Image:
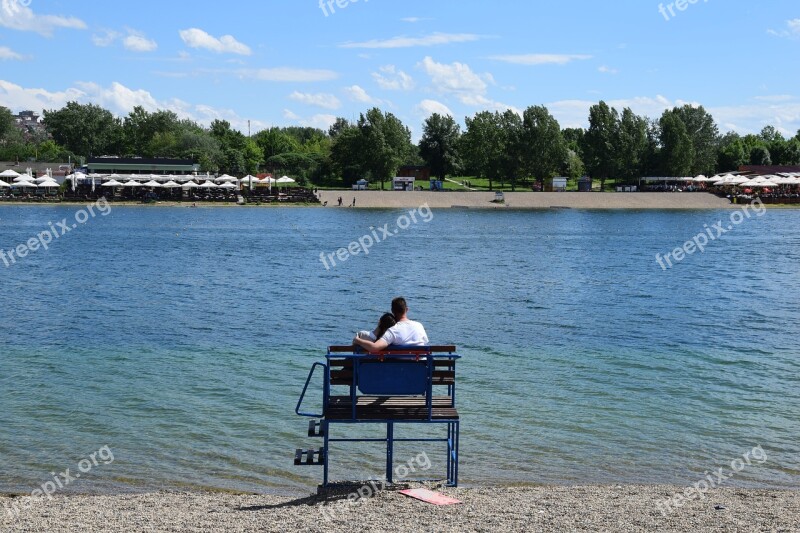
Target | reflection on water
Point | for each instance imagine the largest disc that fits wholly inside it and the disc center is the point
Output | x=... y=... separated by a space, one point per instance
x=181 y=339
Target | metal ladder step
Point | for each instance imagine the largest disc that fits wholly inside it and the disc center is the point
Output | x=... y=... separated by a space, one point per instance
x=309 y=457
x=315 y=429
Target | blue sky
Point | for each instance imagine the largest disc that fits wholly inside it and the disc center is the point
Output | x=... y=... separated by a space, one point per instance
x=291 y=62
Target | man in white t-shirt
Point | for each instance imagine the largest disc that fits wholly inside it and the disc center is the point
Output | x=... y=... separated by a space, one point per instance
x=405 y=333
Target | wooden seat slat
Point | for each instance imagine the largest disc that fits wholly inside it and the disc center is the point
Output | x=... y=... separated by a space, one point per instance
x=391 y=413
x=433 y=349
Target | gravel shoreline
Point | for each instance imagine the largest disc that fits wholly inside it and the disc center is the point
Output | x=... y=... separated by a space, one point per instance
x=619 y=508
x=527 y=200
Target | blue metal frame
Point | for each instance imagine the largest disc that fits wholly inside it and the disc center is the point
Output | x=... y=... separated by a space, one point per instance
x=395 y=354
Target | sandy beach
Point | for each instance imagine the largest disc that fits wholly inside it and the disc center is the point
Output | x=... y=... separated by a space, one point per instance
x=473 y=200
x=544 y=508
x=528 y=200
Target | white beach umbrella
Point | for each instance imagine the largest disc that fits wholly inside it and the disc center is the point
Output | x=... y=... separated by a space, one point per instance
x=228 y=185
x=171 y=185
x=49 y=184
x=21 y=184
x=699 y=179
x=765 y=183
x=225 y=179
x=209 y=185
x=4 y=184
x=9 y=174
x=152 y=183
x=286 y=179
x=112 y=183
x=132 y=183
x=190 y=185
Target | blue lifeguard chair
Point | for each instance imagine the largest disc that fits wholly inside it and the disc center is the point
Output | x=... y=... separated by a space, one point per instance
x=395 y=386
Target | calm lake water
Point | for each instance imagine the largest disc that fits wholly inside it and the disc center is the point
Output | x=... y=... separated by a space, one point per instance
x=181 y=338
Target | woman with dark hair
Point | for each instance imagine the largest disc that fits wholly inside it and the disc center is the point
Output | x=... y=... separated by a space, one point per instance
x=386 y=321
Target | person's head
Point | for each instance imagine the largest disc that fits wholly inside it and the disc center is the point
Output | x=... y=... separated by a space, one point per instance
x=386 y=321
x=399 y=308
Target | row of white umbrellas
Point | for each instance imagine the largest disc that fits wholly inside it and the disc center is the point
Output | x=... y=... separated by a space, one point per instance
x=221 y=180
x=170 y=185
x=742 y=181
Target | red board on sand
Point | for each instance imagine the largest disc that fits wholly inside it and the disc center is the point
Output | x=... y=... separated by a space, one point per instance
x=429 y=496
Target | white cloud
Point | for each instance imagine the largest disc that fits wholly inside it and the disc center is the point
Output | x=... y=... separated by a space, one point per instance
x=792 y=30
x=468 y=87
x=607 y=70
x=134 y=41
x=358 y=94
x=197 y=38
x=137 y=42
x=483 y=103
x=454 y=78
x=433 y=39
x=288 y=74
x=391 y=79
x=428 y=107
x=324 y=100
x=105 y=38
x=7 y=53
x=775 y=98
x=321 y=121
x=540 y=59
x=16 y=16
x=118 y=99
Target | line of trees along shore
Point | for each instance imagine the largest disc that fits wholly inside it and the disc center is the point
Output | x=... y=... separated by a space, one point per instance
x=502 y=147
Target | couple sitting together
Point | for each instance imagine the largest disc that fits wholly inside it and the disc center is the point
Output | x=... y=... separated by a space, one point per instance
x=393 y=329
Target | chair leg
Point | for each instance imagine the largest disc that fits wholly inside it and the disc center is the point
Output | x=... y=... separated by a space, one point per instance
x=325 y=450
x=389 y=450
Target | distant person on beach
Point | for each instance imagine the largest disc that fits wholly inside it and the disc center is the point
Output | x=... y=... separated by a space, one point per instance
x=405 y=333
x=386 y=321
x=340 y=201
x=354 y=203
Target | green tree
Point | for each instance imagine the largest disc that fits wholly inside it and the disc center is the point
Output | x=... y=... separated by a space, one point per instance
x=542 y=146
x=760 y=156
x=704 y=136
x=347 y=154
x=386 y=143
x=732 y=153
x=632 y=146
x=439 y=146
x=85 y=129
x=677 y=151
x=144 y=132
x=6 y=123
x=483 y=144
x=510 y=163
x=600 y=142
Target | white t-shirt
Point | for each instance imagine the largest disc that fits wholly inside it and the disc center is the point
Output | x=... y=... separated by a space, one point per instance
x=406 y=332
